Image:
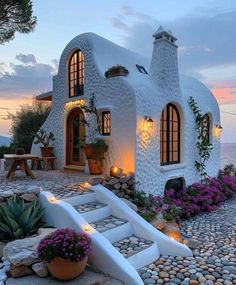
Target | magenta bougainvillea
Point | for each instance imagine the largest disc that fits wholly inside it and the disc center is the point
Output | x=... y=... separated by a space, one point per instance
x=65 y=243
x=201 y=197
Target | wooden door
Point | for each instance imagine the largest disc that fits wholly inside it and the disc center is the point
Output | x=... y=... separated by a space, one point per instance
x=75 y=133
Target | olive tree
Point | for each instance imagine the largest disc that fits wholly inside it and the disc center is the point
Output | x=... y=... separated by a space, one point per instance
x=26 y=123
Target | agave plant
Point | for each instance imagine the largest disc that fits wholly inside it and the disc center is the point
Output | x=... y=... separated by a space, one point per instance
x=18 y=219
x=44 y=138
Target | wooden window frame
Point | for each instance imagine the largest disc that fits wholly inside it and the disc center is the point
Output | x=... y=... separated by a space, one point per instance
x=104 y=127
x=166 y=131
x=76 y=74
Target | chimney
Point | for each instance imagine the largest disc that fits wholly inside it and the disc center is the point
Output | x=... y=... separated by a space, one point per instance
x=164 y=64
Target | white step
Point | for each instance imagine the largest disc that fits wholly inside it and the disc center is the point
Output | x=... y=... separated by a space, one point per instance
x=81 y=199
x=118 y=232
x=144 y=257
x=91 y=211
x=138 y=251
x=107 y=223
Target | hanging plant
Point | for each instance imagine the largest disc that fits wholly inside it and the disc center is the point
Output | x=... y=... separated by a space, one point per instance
x=203 y=143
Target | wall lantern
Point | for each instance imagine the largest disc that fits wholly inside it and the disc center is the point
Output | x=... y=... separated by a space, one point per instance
x=149 y=121
x=218 y=130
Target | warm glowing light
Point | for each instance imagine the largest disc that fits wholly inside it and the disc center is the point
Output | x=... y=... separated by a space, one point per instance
x=217 y=131
x=148 y=121
x=74 y=103
x=174 y=235
x=87 y=228
x=87 y=184
x=52 y=199
x=116 y=171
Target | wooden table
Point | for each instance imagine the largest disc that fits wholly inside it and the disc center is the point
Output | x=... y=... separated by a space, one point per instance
x=19 y=160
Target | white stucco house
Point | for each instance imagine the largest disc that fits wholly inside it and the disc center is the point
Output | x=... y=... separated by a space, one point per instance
x=164 y=151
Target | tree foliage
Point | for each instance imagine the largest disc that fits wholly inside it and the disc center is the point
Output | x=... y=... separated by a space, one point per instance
x=26 y=123
x=15 y=16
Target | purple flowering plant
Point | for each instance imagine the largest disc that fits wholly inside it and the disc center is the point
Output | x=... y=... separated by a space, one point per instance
x=65 y=243
x=197 y=198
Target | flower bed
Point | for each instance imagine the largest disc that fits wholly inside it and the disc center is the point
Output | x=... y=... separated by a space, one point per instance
x=200 y=197
x=175 y=205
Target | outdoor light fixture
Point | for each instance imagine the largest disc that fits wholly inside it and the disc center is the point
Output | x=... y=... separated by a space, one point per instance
x=74 y=103
x=218 y=130
x=174 y=235
x=148 y=121
x=52 y=199
x=116 y=171
x=87 y=228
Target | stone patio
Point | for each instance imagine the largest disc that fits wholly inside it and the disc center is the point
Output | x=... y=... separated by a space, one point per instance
x=213 y=240
x=60 y=183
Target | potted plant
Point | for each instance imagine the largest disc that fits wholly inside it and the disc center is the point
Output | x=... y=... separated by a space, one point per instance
x=117 y=70
x=44 y=138
x=65 y=252
x=94 y=148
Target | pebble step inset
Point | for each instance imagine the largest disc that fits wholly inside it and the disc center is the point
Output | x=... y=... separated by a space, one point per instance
x=132 y=245
x=84 y=208
x=107 y=223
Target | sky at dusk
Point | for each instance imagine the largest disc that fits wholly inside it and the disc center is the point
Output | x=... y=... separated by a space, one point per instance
x=206 y=32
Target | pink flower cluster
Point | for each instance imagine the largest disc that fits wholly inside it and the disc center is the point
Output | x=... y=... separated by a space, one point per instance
x=201 y=197
x=65 y=243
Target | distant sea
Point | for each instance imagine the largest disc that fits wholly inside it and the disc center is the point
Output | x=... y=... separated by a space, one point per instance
x=227 y=154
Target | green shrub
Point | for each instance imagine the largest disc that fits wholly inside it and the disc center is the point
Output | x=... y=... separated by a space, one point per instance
x=5 y=150
x=19 y=219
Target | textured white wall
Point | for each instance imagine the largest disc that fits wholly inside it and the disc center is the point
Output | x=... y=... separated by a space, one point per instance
x=131 y=145
x=113 y=94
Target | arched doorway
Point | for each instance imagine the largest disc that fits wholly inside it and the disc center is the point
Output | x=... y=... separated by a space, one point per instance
x=75 y=133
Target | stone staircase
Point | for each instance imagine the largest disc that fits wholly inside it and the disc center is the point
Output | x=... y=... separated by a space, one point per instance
x=137 y=250
x=123 y=242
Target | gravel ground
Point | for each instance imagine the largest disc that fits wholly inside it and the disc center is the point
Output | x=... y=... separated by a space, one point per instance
x=214 y=256
x=214 y=253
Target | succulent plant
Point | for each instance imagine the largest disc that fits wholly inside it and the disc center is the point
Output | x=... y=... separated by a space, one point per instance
x=44 y=138
x=19 y=219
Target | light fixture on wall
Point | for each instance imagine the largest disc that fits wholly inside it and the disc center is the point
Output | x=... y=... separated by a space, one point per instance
x=218 y=130
x=149 y=121
x=74 y=103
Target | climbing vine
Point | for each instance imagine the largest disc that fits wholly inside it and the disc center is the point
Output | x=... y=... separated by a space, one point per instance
x=203 y=143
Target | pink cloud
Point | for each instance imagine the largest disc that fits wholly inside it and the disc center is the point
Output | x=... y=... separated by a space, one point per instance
x=225 y=92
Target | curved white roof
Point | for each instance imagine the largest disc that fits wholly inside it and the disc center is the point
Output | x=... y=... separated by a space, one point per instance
x=107 y=54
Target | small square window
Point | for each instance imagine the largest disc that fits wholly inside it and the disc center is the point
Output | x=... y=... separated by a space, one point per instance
x=106 y=123
x=141 y=69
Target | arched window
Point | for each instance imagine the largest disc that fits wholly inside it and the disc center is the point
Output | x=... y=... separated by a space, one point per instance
x=76 y=74
x=206 y=127
x=170 y=135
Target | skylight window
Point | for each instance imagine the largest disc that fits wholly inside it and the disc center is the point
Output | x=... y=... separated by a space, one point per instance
x=141 y=69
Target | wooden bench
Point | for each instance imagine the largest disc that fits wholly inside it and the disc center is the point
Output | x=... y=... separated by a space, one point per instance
x=47 y=161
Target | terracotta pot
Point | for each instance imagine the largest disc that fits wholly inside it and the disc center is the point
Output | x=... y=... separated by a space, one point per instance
x=46 y=151
x=95 y=151
x=65 y=269
x=20 y=151
x=95 y=166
